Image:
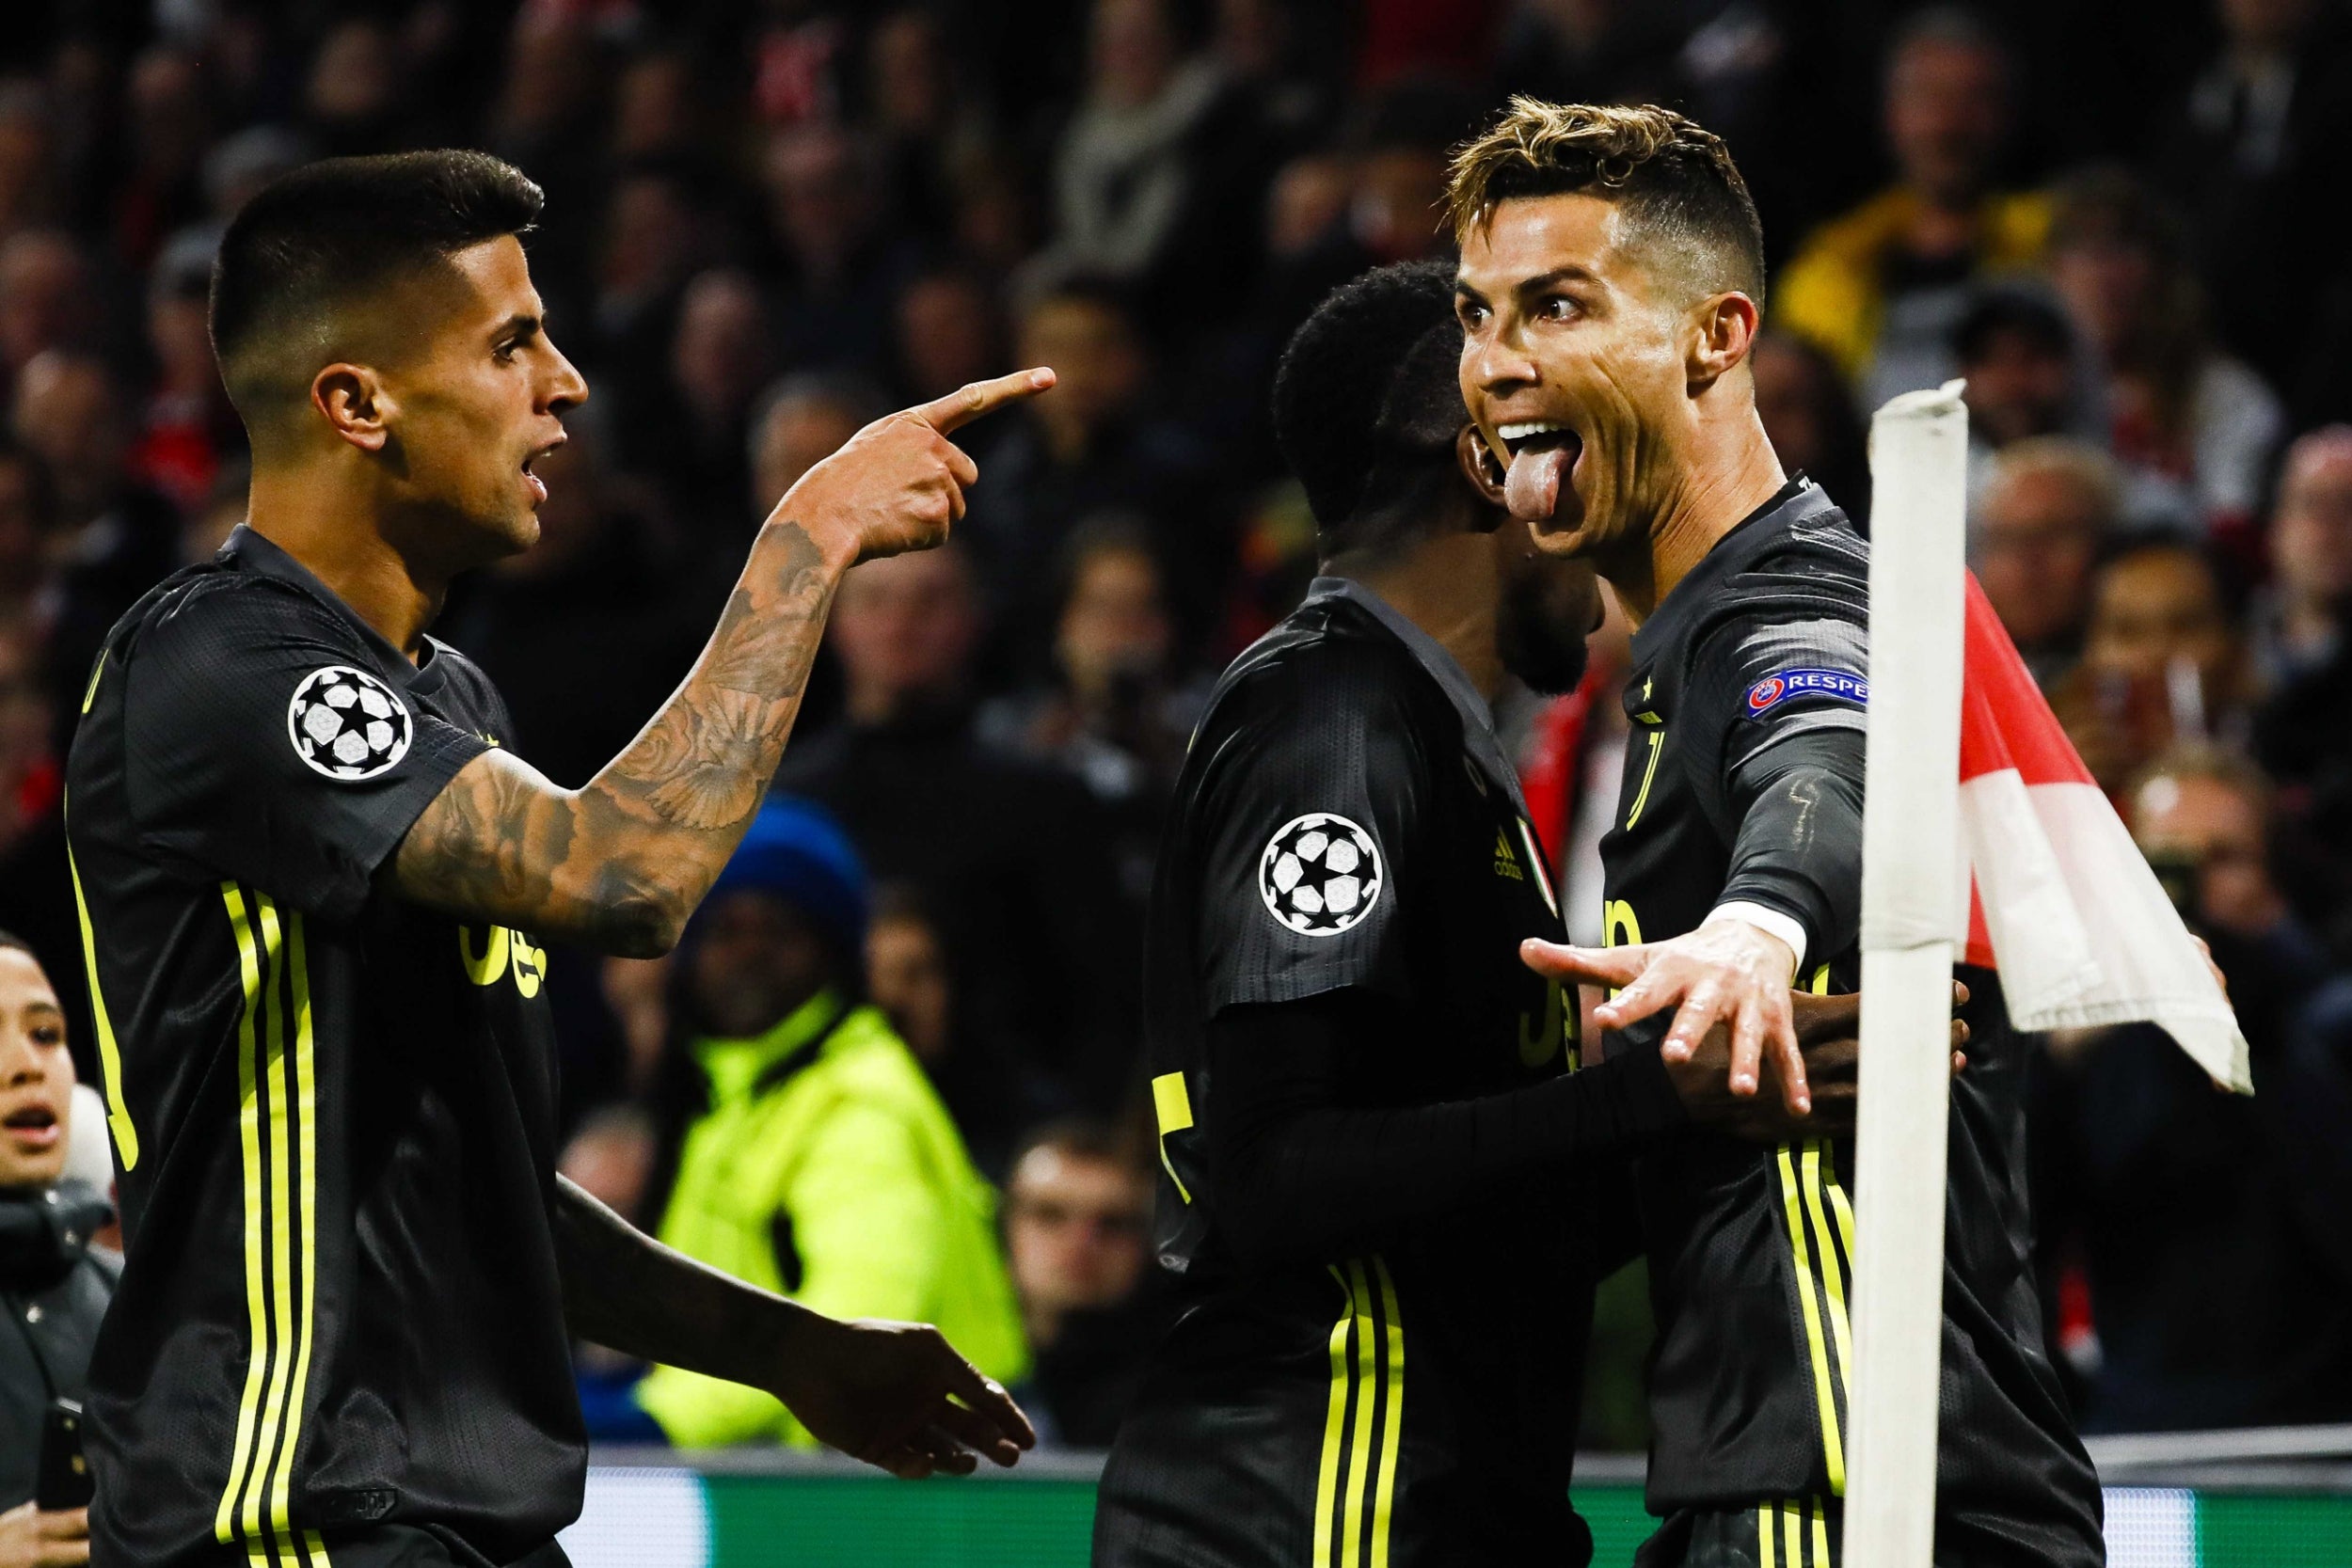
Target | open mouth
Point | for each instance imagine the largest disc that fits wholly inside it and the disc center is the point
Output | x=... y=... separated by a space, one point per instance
x=34 y=1126
x=538 y=485
x=1542 y=453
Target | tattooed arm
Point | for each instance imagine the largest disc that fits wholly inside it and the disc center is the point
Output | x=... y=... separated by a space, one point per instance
x=619 y=864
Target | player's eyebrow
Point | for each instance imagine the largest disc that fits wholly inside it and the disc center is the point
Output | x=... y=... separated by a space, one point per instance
x=1464 y=294
x=521 y=327
x=1569 y=274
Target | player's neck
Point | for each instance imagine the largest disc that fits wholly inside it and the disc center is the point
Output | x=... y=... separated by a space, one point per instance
x=1446 y=586
x=341 y=540
x=1732 y=472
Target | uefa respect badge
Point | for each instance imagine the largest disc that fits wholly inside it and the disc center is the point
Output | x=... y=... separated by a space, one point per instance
x=1839 y=686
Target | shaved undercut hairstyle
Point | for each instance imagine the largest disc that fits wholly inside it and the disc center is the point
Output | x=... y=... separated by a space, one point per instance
x=1673 y=179
x=319 y=244
x=1367 y=402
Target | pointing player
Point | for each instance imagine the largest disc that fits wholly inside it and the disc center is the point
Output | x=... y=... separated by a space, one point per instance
x=1611 y=278
x=314 y=881
x=1387 y=1182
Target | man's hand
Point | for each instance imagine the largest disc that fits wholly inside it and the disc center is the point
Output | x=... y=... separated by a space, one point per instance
x=897 y=1396
x=30 y=1538
x=1727 y=972
x=1828 y=1030
x=897 y=484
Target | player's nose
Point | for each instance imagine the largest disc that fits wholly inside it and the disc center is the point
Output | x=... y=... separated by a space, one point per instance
x=568 y=388
x=1500 y=364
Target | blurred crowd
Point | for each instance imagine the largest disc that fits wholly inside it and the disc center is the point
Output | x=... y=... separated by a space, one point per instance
x=893 y=1067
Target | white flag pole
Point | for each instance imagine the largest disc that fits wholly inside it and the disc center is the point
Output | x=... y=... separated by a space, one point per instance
x=1909 y=889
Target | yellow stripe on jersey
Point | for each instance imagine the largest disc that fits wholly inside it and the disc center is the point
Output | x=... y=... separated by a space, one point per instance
x=1334 y=1424
x=280 y=1239
x=250 y=966
x=1641 y=796
x=1820 y=1536
x=1363 y=1422
x=277 y=1137
x=1833 y=1448
x=1792 y=1533
x=109 y=1058
x=1833 y=1273
x=306 y=1172
x=89 y=693
x=1764 y=1550
x=1172 y=1104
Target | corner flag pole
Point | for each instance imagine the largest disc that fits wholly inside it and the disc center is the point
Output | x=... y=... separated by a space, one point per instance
x=1911 y=885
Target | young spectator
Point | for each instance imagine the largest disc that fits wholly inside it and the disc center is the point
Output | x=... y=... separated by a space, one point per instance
x=1882 y=286
x=2164 y=662
x=1078 y=1232
x=2179 y=411
x=1014 y=855
x=53 y=1289
x=2048 y=506
x=2215 y=1231
x=817 y=1160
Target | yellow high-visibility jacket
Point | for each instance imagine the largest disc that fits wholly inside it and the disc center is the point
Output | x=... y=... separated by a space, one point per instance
x=828 y=1169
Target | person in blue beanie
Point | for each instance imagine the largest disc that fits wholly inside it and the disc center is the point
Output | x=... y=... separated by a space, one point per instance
x=816 y=1159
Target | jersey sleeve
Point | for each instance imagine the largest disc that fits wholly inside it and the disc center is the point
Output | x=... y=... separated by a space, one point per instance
x=1759 y=676
x=261 y=745
x=1309 y=807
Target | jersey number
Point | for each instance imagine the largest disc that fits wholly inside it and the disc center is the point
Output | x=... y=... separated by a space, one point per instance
x=505 y=949
x=1552 y=1031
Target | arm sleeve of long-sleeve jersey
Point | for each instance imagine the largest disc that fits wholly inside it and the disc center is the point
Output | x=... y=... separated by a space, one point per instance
x=1302 y=1174
x=1799 y=846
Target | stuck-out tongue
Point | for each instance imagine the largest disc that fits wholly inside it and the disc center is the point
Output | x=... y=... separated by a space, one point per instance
x=1532 y=486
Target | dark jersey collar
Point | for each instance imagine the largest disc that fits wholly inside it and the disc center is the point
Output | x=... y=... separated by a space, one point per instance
x=1798 y=498
x=1478 y=718
x=252 y=552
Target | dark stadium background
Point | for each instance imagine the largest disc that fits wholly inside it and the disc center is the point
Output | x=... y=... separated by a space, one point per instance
x=768 y=221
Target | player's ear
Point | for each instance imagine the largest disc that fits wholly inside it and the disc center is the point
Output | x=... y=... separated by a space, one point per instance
x=355 y=404
x=1484 y=470
x=1724 y=329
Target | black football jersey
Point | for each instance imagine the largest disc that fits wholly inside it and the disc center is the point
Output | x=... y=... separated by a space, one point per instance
x=1347 y=820
x=332 y=1111
x=1752 y=1248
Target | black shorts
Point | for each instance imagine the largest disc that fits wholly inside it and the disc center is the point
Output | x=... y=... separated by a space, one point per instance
x=385 y=1546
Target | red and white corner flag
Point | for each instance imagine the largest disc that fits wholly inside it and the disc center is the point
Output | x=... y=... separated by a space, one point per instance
x=2059 y=899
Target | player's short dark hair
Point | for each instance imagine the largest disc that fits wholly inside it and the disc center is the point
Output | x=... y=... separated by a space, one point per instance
x=333 y=233
x=11 y=943
x=1670 y=175
x=1368 y=402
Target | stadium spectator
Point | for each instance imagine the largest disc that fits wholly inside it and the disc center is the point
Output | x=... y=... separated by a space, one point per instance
x=2017 y=352
x=1013 y=855
x=187 y=427
x=843 y=260
x=947 y=334
x=1112 y=711
x=48 y=299
x=2215 y=1231
x=2299 y=621
x=1811 y=420
x=799 y=423
x=989 y=1084
x=814 y=1158
x=53 y=1288
x=2048 y=506
x=2164 y=661
x=1078 y=1232
x=694 y=438
x=35 y=888
x=2181 y=413
x=1882 y=286
x=2253 y=157
x=1096 y=445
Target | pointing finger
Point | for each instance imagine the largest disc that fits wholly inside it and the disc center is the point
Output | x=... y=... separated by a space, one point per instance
x=966 y=404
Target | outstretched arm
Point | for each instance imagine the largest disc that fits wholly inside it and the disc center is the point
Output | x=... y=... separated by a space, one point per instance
x=895 y=1394
x=619 y=864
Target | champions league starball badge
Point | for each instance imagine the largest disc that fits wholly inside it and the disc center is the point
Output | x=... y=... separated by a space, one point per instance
x=347 y=724
x=1320 y=874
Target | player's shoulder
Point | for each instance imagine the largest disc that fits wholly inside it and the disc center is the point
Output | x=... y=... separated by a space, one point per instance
x=212 y=607
x=1331 y=662
x=1807 y=540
